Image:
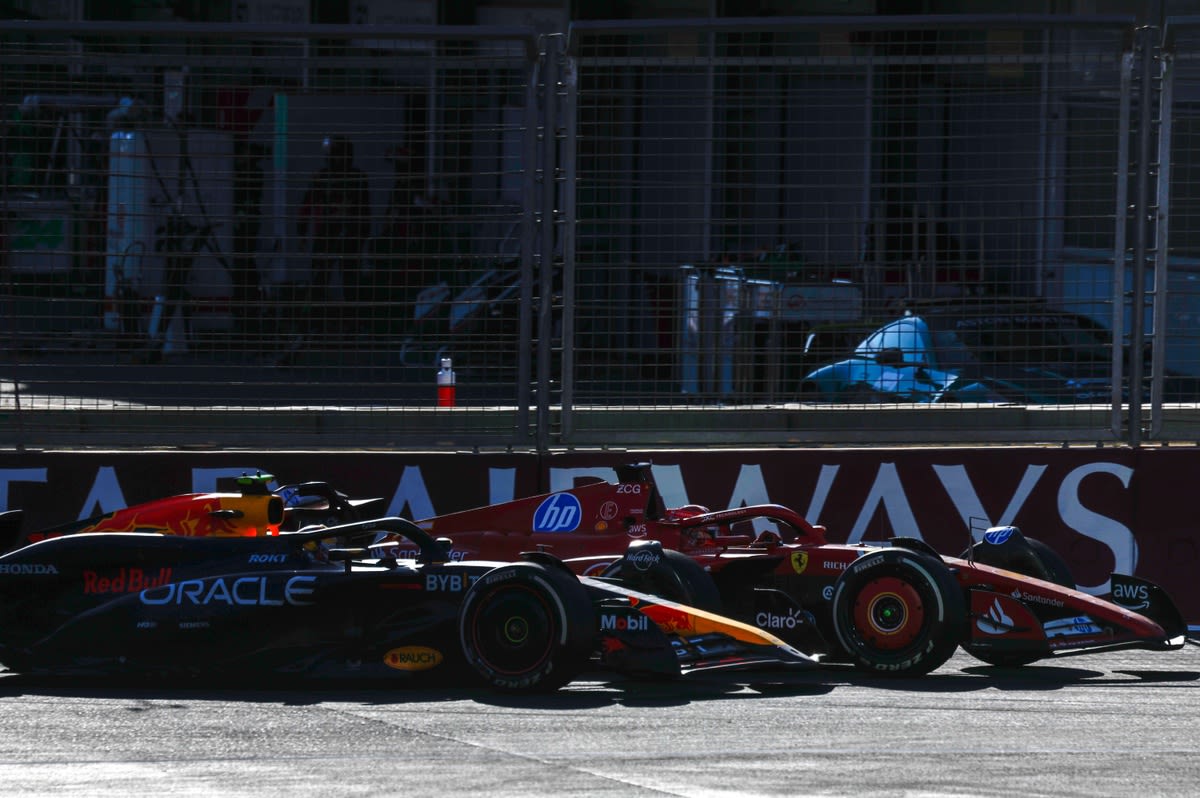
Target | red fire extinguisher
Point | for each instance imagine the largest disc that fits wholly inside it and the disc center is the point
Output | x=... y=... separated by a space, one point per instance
x=445 y=384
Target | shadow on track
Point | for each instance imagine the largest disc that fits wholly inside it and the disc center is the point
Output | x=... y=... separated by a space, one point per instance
x=1050 y=677
x=287 y=692
x=592 y=690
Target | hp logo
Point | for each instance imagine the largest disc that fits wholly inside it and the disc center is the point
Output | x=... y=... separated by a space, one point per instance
x=558 y=513
x=998 y=535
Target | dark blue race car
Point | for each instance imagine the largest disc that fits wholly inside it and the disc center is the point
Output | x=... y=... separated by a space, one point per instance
x=313 y=603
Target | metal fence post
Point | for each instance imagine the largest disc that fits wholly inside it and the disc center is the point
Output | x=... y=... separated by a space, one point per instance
x=529 y=154
x=545 y=321
x=1137 y=333
x=568 y=220
x=1121 y=212
x=1165 y=108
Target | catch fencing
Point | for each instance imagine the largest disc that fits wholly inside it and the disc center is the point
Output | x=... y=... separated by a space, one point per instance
x=633 y=233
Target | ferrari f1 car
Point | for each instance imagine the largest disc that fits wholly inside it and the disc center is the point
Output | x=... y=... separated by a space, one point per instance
x=136 y=604
x=254 y=509
x=896 y=608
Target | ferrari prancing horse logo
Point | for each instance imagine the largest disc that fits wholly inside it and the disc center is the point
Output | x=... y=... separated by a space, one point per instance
x=799 y=561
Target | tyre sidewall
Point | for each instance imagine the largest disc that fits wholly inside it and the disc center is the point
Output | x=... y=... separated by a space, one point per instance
x=570 y=612
x=939 y=631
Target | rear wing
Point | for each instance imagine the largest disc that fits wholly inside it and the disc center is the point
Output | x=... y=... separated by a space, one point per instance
x=643 y=474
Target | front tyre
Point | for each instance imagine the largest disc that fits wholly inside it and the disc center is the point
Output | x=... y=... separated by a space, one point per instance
x=673 y=576
x=898 y=612
x=1027 y=556
x=526 y=627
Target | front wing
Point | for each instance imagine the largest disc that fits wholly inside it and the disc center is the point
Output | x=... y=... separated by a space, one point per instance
x=699 y=640
x=1035 y=617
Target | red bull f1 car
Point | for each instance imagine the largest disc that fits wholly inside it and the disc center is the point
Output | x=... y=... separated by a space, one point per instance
x=253 y=510
x=147 y=603
x=899 y=608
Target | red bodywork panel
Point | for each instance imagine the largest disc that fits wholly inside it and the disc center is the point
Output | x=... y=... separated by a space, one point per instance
x=601 y=518
x=189 y=515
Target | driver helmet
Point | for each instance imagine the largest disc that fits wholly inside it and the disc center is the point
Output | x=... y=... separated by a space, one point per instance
x=701 y=535
x=687 y=511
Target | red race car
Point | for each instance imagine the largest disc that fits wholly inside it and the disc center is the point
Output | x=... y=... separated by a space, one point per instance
x=897 y=608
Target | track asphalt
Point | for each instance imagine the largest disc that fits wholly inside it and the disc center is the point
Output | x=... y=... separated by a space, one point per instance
x=1116 y=724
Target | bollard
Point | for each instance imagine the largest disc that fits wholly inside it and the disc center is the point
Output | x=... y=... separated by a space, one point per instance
x=445 y=384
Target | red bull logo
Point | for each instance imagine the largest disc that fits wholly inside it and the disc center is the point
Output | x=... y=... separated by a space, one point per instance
x=124 y=580
x=671 y=619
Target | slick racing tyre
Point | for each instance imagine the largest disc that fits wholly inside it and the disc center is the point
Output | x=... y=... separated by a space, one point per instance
x=898 y=612
x=674 y=576
x=1024 y=555
x=527 y=627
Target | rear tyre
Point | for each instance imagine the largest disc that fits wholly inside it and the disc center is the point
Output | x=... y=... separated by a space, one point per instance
x=898 y=613
x=525 y=627
x=675 y=577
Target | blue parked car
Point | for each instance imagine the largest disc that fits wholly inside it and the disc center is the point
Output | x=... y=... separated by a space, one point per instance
x=1003 y=353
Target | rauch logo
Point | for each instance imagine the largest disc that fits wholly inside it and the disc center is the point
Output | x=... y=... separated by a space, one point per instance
x=412 y=658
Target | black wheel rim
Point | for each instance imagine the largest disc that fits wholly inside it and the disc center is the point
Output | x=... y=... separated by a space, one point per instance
x=513 y=629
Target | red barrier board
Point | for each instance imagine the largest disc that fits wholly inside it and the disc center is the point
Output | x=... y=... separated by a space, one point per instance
x=1103 y=509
